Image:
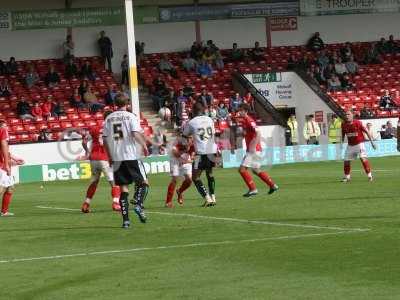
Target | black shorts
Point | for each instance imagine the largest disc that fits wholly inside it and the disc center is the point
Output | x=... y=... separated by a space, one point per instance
x=204 y=162
x=129 y=171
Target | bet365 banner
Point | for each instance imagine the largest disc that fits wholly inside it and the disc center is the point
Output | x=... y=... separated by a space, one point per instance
x=341 y=7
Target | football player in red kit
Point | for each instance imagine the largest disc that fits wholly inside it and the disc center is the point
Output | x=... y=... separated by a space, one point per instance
x=99 y=164
x=253 y=157
x=355 y=130
x=182 y=153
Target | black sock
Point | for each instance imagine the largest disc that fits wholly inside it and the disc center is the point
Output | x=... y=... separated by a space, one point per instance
x=123 y=202
x=211 y=184
x=200 y=188
x=141 y=192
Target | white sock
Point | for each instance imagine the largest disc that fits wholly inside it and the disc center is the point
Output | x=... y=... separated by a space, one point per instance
x=116 y=200
x=88 y=200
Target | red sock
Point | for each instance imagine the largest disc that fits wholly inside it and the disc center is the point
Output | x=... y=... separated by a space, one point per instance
x=366 y=166
x=265 y=177
x=248 y=179
x=115 y=192
x=91 y=190
x=170 y=193
x=6 y=202
x=185 y=185
x=347 y=168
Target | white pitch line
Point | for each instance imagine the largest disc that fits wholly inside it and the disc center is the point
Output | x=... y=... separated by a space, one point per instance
x=192 y=245
x=259 y=222
x=231 y=220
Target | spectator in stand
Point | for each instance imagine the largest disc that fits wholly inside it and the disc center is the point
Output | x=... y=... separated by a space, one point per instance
x=76 y=100
x=87 y=71
x=71 y=70
x=205 y=98
x=248 y=98
x=68 y=48
x=329 y=72
x=37 y=110
x=235 y=102
x=374 y=136
x=319 y=76
x=293 y=127
x=165 y=66
x=125 y=91
x=386 y=101
x=311 y=131
x=44 y=136
x=390 y=131
x=372 y=55
x=212 y=112
x=58 y=109
x=257 y=53
x=3 y=68
x=204 y=70
x=181 y=97
x=209 y=55
x=222 y=112
x=5 y=90
x=12 y=66
x=47 y=107
x=92 y=101
x=292 y=62
x=236 y=54
x=333 y=58
x=219 y=60
x=392 y=46
x=334 y=84
x=381 y=46
x=106 y=50
x=346 y=52
x=322 y=59
x=315 y=43
x=24 y=109
x=211 y=46
x=346 y=82
x=340 y=67
x=304 y=63
x=125 y=70
x=159 y=97
x=366 y=113
x=352 y=66
x=111 y=94
x=188 y=90
x=83 y=88
x=52 y=78
x=32 y=77
x=140 y=52
x=196 y=51
x=189 y=64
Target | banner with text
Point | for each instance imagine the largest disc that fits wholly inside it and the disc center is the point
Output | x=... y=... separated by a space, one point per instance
x=213 y=12
x=5 y=20
x=80 y=17
x=340 y=7
x=276 y=87
x=283 y=23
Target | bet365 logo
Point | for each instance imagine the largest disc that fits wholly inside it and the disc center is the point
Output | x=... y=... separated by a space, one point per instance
x=66 y=171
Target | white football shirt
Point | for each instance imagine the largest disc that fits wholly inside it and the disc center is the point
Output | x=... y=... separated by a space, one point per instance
x=117 y=131
x=202 y=130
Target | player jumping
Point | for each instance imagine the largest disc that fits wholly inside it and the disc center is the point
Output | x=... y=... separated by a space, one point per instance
x=253 y=157
x=122 y=133
x=355 y=130
x=180 y=166
x=201 y=128
x=99 y=165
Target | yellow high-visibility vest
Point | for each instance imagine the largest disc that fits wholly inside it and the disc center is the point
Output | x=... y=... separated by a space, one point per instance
x=335 y=131
x=294 y=136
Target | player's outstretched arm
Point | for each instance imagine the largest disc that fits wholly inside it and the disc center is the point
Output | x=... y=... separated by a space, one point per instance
x=369 y=137
x=6 y=155
x=255 y=141
x=141 y=140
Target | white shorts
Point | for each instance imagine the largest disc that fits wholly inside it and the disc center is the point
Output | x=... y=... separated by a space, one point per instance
x=179 y=170
x=252 y=160
x=5 y=180
x=356 y=151
x=101 y=166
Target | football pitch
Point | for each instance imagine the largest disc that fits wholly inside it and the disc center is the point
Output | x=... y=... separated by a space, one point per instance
x=317 y=238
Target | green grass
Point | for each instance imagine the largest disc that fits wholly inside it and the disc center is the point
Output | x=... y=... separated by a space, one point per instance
x=210 y=258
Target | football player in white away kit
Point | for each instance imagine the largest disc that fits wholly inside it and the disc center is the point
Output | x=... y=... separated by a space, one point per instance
x=201 y=128
x=121 y=133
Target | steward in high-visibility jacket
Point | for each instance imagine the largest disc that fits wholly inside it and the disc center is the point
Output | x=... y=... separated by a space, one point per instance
x=292 y=124
x=335 y=130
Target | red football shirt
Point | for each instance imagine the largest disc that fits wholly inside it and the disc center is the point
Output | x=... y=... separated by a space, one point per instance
x=3 y=137
x=98 y=152
x=354 y=132
x=250 y=132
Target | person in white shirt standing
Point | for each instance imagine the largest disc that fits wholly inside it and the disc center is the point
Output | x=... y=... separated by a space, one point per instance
x=311 y=131
x=122 y=133
x=202 y=129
